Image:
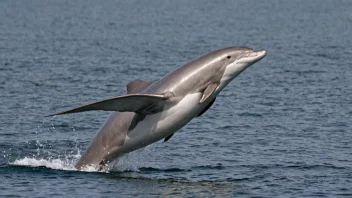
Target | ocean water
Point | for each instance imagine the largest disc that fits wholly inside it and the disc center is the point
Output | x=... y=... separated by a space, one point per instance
x=280 y=129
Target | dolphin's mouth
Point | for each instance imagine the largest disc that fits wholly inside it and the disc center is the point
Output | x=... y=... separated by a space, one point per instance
x=252 y=56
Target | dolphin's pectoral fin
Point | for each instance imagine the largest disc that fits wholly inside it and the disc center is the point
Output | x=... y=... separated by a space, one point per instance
x=138 y=85
x=208 y=91
x=168 y=137
x=140 y=103
x=206 y=108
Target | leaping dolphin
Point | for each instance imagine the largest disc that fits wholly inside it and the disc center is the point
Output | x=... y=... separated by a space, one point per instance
x=155 y=110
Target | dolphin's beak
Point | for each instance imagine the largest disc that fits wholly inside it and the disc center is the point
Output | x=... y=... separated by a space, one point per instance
x=252 y=57
x=260 y=54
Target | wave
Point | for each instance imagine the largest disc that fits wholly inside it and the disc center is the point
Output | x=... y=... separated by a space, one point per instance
x=152 y=169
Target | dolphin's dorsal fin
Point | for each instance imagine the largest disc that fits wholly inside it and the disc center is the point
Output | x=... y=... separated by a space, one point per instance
x=145 y=104
x=208 y=91
x=138 y=85
x=206 y=108
x=168 y=137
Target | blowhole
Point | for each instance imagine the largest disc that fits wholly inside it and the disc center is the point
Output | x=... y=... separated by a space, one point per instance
x=228 y=57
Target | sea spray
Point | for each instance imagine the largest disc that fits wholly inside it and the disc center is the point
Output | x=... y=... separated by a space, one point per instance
x=129 y=162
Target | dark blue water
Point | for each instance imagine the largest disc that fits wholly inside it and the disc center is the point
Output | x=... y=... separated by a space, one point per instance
x=281 y=129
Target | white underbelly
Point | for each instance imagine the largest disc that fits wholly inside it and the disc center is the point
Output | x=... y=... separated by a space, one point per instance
x=160 y=125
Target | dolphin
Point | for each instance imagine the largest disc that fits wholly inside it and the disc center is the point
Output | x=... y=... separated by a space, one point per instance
x=155 y=110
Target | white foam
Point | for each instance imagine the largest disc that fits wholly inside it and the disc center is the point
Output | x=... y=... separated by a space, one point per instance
x=52 y=163
x=57 y=164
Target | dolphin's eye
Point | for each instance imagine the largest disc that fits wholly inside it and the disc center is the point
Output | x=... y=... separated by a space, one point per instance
x=228 y=57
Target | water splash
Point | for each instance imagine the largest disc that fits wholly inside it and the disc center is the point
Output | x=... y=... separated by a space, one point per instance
x=129 y=162
x=47 y=153
x=52 y=163
x=57 y=164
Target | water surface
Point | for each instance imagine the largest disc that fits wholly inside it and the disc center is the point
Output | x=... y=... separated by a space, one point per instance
x=281 y=129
